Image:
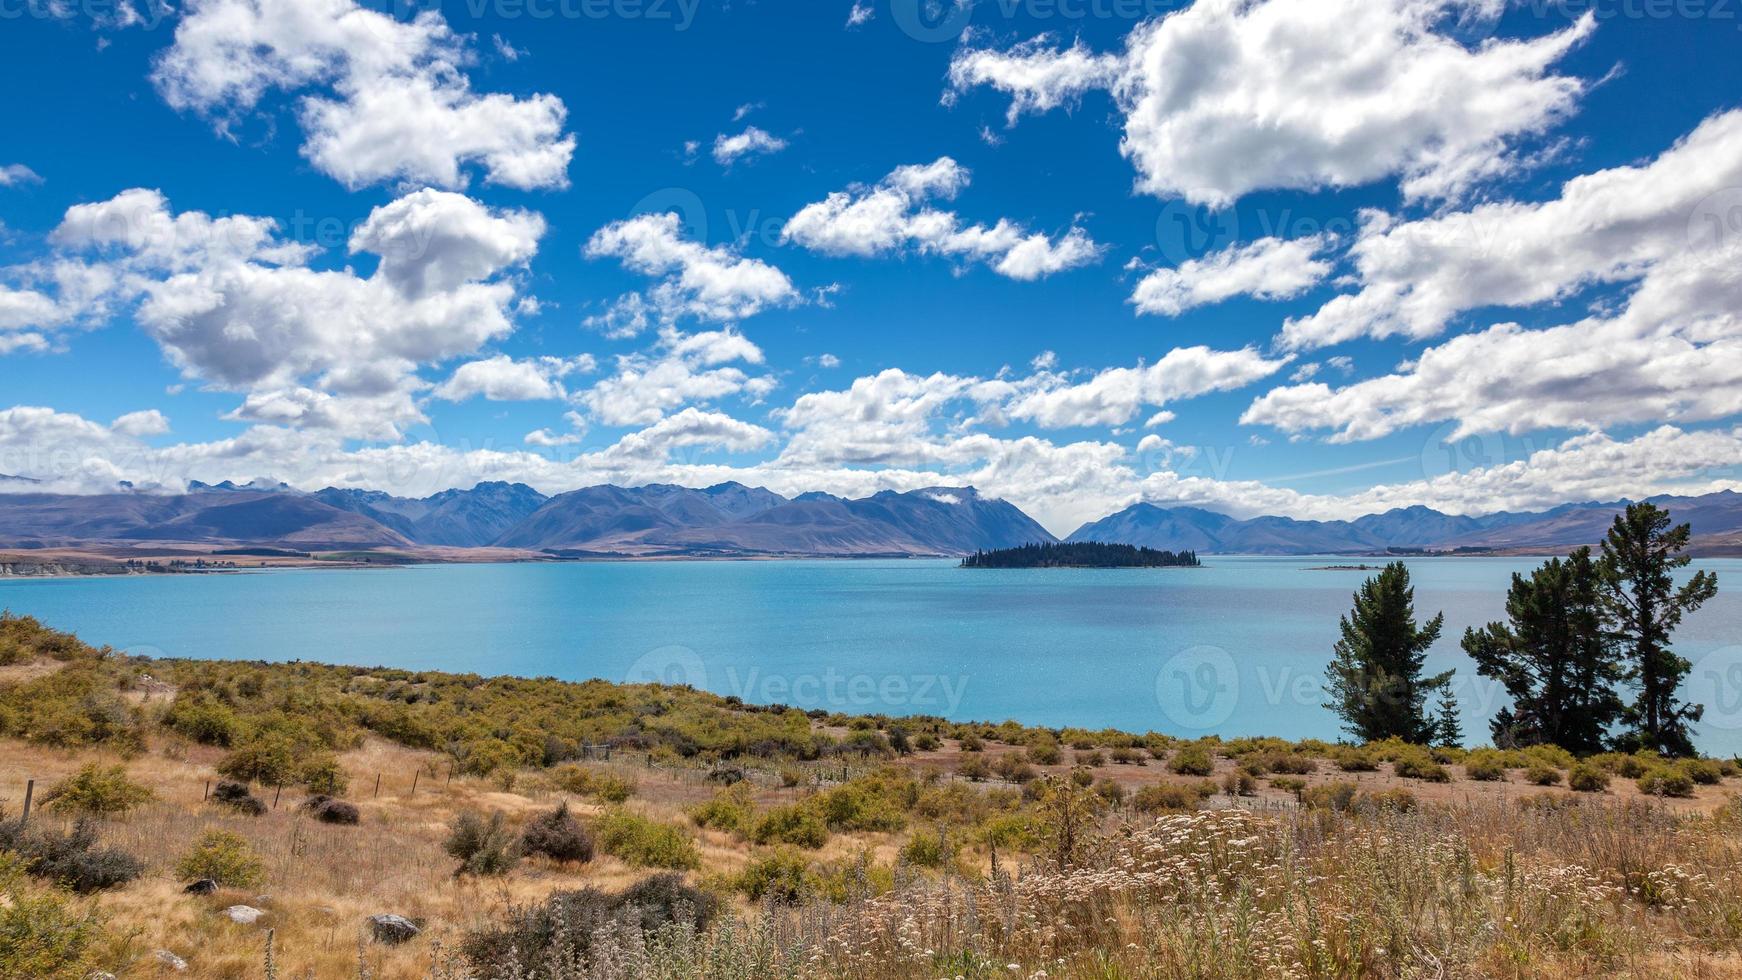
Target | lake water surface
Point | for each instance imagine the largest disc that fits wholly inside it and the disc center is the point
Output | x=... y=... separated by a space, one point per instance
x=1237 y=647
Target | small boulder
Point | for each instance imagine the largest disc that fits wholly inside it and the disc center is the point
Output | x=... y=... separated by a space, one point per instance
x=205 y=886
x=393 y=929
x=245 y=915
x=171 y=962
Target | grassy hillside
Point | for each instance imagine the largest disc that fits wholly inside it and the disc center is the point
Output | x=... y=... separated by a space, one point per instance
x=553 y=829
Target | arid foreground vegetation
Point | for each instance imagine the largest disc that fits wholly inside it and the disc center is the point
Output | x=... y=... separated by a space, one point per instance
x=525 y=828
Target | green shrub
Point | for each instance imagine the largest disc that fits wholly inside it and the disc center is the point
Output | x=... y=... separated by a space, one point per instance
x=1351 y=758
x=1336 y=796
x=1292 y=763
x=1169 y=797
x=799 y=825
x=224 y=857
x=557 y=835
x=43 y=936
x=484 y=847
x=1666 y=781
x=96 y=789
x=782 y=877
x=972 y=743
x=1239 y=783
x=605 y=786
x=1395 y=800
x=974 y=768
x=1587 y=778
x=271 y=760
x=731 y=810
x=1419 y=765
x=1702 y=771
x=1192 y=760
x=646 y=843
x=1045 y=754
x=323 y=774
x=1541 y=775
x=1485 y=765
x=1289 y=784
x=928 y=849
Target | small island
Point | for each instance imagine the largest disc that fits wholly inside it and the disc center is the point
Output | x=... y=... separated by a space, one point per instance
x=1086 y=554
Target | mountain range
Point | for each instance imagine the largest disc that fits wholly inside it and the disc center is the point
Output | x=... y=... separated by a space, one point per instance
x=650 y=521
x=732 y=519
x=1716 y=519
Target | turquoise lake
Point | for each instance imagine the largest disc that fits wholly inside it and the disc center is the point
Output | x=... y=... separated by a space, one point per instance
x=1237 y=647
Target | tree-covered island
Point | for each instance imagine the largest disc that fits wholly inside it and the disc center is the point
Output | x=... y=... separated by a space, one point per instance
x=1086 y=554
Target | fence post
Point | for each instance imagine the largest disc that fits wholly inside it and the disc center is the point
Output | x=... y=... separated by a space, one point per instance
x=29 y=791
x=377 y=784
x=414 y=776
x=205 y=797
x=276 y=793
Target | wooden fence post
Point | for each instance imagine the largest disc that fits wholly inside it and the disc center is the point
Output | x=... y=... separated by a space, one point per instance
x=29 y=791
x=414 y=776
x=377 y=784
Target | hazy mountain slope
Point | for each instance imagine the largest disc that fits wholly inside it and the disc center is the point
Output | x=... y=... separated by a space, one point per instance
x=1717 y=517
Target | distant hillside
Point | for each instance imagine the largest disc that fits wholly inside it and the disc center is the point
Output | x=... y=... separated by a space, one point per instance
x=728 y=519
x=734 y=519
x=1716 y=520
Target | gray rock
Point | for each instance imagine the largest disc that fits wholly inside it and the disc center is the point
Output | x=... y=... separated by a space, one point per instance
x=245 y=915
x=171 y=961
x=393 y=929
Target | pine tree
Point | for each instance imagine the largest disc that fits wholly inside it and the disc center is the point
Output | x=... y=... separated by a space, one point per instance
x=1554 y=658
x=1375 y=681
x=1644 y=606
x=1449 y=728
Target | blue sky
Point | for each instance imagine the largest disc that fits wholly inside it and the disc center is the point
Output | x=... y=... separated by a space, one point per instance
x=1313 y=257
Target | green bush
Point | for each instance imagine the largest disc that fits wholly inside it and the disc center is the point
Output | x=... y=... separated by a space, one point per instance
x=560 y=929
x=1666 y=781
x=731 y=809
x=1169 y=797
x=1239 y=783
x=799 y=825
x=1485 y=765
x=484 y=847
x=224 y=857
x=96 y=789
x=1045 y=754
x=972 y=743
x=1192 y=760
x=783 y=877
x=1419 y=765
x=1587 y=778
x=928 y=849
x=1351 y=758
x=646 y=843
x=1702 y=771
x=1541 y=775
x=1395 y=800
x=43 y=936
x=1336 y=796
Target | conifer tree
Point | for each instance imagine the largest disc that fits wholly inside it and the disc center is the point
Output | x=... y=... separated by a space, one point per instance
x=1554 y=658
x=1644 y=606
x=1375 y=681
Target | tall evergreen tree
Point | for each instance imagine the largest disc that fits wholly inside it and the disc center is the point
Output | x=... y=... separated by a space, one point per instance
x=1554 y=658
x=1375 y=681
x=1644 y=606
x=1448 y=726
